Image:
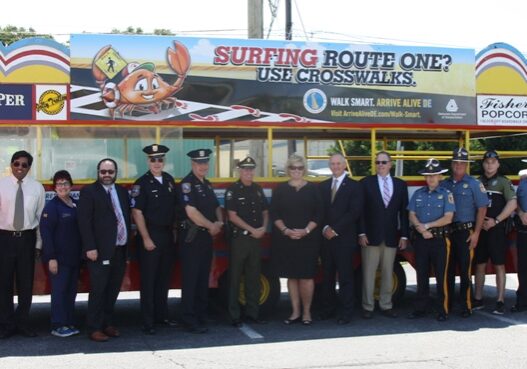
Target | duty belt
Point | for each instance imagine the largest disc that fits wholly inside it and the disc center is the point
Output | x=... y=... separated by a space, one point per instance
x=460 y=226
x=187 y=225
x=437 y=232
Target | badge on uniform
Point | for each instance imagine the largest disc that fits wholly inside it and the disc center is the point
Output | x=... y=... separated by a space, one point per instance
x=494 y=183
x=228 y=195
x=465 y=185
x=186 y=187
x=44 y=215
x=440 y=197
x=136 y=190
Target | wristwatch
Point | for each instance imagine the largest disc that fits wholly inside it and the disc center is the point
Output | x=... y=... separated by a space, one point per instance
x=496 y=220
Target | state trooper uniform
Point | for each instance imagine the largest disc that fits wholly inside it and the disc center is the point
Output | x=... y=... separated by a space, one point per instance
x=196 y=244
x=469 y=196
x=156 y=198
x=249 y=204
x=428 y=206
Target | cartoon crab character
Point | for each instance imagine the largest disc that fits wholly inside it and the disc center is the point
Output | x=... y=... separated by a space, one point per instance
x=141 y=88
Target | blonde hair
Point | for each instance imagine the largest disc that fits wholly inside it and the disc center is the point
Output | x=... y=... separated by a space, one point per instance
x=296 y=159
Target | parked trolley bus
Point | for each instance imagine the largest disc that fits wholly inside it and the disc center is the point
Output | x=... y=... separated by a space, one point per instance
x=110 y=95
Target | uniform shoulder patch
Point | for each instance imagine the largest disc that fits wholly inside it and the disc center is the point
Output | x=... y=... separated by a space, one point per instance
x=136 y=190
x=482 y=187
x=228 y=195
x=450 y=198
x=186 y=187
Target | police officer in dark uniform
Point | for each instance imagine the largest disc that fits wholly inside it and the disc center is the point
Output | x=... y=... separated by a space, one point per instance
x=492 y=241
x=471 y=204
x=154 y=202
x=431 y=211
x=201 y=219
x=248 y=218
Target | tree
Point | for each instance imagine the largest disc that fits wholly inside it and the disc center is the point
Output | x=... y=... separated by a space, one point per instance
x=10 y=34
x=129 y=31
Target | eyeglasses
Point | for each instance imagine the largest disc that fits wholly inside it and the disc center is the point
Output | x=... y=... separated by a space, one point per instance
x=17 y=164
x=383 y=162
x=159 y=160
x=109 y=171
x=292 y=167
x=62 y=184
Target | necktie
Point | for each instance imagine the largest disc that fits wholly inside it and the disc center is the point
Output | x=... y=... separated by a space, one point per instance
x=385 y=191
x=18 y=220
x=334 y=189
x=121 y=228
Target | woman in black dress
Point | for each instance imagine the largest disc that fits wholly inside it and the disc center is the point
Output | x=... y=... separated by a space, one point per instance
x=296 y=210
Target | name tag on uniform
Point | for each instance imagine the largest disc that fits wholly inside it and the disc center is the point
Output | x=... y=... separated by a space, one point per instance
x=106 y=262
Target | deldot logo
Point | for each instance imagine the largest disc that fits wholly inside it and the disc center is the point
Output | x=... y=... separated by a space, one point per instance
x=451 y=106
x=315 y=101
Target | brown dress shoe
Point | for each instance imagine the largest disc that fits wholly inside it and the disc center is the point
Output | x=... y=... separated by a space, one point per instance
x=98 y=336
x=111 y=331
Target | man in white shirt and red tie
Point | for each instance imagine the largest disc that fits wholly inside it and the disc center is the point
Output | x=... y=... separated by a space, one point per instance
x=21 y=203
x=383 y=229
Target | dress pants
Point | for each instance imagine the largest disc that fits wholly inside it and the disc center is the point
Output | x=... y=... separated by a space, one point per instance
x=373 y=258
x=244 y=261
x=461 y=256
x=337 y=259
x=521 y=247
x=17 y=263
x=105 y=284
x=432 y=252
x=156 y=272
x=196 y=259
x=63 y=294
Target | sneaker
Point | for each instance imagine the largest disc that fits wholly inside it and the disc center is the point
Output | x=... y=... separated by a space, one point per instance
x=74 y=330
x=477 y=305
x=499 y=309
x=63 y=332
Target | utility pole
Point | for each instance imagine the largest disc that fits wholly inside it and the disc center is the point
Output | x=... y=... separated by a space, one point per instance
x=255 y=30
x=291 y=144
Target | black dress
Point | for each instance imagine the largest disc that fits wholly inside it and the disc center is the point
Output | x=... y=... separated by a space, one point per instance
x=296 y=259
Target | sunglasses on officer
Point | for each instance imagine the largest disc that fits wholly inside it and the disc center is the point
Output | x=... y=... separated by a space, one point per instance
x=17 y=164
x=383 y=162
x=158 y=160
x=107 y=171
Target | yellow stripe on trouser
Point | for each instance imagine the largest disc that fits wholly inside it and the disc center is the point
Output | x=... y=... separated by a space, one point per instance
x=445 y=276
x=471 y=256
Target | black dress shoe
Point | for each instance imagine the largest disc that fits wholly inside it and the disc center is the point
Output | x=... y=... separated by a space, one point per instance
x=390 y=313
x=7 y=332
x=197 y=329
x=416 y=314
x=168 y=323
x=149 y=331
x=237 y=323
x=26 y=332
x=343 y=321
x=250 y=319
x=516 y=308
x=292 y=321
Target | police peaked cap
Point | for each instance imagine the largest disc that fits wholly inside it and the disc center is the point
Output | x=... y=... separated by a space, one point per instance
x=200 y=155
x=248 y=163
x=155 y=150
x=461 y=154
x=432 y=167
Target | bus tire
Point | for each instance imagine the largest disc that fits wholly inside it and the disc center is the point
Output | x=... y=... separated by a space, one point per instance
x=269 y=290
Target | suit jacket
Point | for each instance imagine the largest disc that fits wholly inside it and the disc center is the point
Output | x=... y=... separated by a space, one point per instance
x=344 y=213
x=97 y=220
x=381 y=223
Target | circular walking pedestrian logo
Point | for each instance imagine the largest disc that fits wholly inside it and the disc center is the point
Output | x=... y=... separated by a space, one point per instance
x=315 y=101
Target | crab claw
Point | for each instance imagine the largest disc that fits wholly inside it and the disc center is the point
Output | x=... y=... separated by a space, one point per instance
x=179 y=59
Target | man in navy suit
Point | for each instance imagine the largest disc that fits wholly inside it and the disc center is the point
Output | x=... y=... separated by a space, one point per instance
x=104 y=222
x=342 y=206
x=383 y=229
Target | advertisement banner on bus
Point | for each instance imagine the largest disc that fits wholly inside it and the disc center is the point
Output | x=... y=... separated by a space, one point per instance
x=16 y=102
x=496 y=110
x=166 y=78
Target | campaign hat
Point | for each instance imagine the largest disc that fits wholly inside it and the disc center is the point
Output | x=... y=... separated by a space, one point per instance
x=432 y=167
